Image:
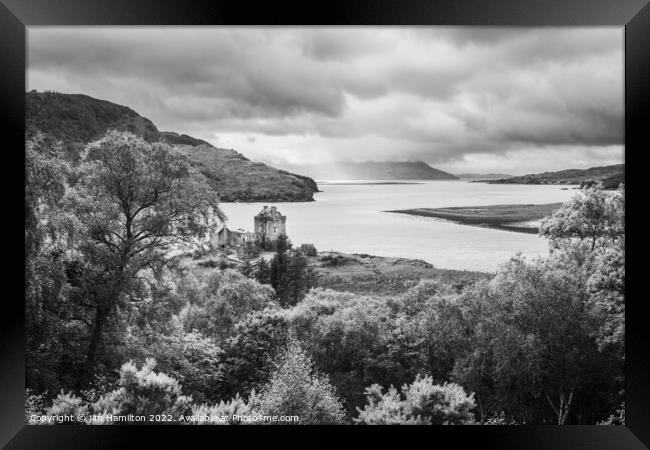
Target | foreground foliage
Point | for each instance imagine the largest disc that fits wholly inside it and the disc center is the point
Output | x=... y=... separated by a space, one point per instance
x=420 y=403
x=541 y=342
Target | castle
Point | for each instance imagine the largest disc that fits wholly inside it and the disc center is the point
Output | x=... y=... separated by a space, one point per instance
x=268 y=224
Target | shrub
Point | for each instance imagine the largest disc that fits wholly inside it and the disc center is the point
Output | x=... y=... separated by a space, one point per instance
x=144 y=392
x=308 y=250
x=187 y=356
x=227 y=297
x=67 y=404
x=295 y=389
x=34 y=405
x=421 y=402
x=223 y=413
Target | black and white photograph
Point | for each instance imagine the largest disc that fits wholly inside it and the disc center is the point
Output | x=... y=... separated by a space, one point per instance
x=328 y=225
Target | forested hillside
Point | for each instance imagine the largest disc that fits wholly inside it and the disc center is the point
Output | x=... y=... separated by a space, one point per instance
x=75 y=120
x=610 y=176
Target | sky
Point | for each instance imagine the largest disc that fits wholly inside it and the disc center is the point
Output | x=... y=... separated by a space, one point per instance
x=462 y=99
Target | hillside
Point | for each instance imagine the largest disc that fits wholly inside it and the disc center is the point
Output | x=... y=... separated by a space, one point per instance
x=611 y=176
x=482 y=176
x=391 y=170
x=76 y=119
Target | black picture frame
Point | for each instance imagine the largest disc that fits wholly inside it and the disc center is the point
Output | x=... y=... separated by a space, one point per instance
x=633 y=15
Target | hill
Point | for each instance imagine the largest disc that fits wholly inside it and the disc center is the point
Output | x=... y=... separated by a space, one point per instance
x=391 y=170
x=482 y=176
x=611 y=176
x=76 y=119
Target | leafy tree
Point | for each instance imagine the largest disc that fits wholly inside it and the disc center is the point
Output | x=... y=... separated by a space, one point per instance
x=226 y=298
x=534 y=351
x=594 y=215
x=308 y=250
x=188 y=356
x=289 y=273
x=438 y=325
x=606 y=284
x=247 y=268
x=278 y=269
x=296 y=389
x=53 y=329
x=348 y=337
x=262 y=271
x=257 y=341
x=300 y=278
x=134 y=200
x=250 y=250
x=422 y=402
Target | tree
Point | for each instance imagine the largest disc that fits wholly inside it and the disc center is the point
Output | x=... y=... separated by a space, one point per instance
x=250 y=352
x=49 y=321
x=262 y=272
x=227 y=298
x=135 y=200
x=250 y=250
x=422 y=402
x=606 y=285
x=296 y=389
x=351 y=339
x=594 y=215
x=290 y=274
x=300 y=278
x=247 y=268
x=278 y=269
x=533 y=344
x=191 y=357
x=308 y=250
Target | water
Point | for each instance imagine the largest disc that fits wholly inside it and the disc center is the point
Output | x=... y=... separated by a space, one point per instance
x=349 y=218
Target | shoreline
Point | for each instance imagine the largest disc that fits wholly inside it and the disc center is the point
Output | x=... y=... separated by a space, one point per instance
x=500 y=217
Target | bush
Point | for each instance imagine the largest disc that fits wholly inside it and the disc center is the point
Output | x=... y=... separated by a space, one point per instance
x=188 y=356
x=144 y=392
x=308 y=250
x=223 y=413
x=227 y=297
x=34 y=405
x=421 y=402
x=67 y=404
x=295 y=389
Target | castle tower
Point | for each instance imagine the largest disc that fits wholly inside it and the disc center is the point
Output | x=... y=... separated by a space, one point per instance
x=270 y=224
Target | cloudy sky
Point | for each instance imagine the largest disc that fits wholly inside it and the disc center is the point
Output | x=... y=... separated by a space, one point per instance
x=467 y=99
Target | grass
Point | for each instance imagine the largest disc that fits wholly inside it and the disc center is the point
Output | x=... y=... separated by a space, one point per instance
x=504 y=217
x=375 y=275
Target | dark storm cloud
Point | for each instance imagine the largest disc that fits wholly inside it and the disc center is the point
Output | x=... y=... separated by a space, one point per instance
x=439 y=94
x=206 y=64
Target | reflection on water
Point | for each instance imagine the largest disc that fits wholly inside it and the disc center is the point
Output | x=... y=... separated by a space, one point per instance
x=350 y=218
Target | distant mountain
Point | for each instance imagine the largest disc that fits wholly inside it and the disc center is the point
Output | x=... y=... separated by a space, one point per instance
x=393 y=170
x=482 y=176
x=611 y=176
x=76 y=119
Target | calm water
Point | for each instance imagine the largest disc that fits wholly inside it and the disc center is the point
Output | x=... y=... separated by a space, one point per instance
x=349 y=218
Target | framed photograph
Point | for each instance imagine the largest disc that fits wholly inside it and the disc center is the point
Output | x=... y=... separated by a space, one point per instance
x=347 y=217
